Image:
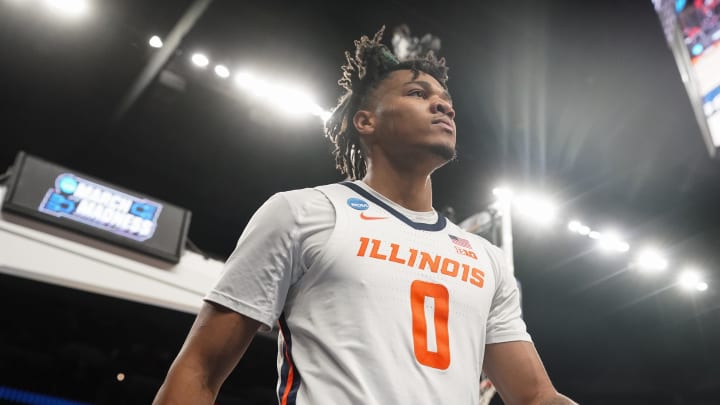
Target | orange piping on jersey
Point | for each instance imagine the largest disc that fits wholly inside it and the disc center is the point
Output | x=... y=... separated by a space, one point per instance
x=291 y=375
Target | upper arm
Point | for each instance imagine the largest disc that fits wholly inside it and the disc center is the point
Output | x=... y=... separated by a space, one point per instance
x=218 y=339
x=517 y=372
x=215 y=344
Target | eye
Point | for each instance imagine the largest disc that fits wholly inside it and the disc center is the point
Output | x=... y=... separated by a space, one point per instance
x=417 y=93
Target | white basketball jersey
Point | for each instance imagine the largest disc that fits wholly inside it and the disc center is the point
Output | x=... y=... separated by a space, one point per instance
x=391 y=312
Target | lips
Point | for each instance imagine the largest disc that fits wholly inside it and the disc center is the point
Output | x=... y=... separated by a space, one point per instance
x=445 y=124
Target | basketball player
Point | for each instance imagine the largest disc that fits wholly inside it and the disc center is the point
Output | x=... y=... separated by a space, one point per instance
x=378 y=299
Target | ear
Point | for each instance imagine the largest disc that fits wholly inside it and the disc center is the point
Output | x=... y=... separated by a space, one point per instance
x=364 y=122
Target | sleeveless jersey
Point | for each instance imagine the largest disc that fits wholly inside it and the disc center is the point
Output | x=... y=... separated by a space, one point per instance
x=392 y=311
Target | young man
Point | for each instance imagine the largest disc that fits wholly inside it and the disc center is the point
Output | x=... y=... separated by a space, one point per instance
x=379 y=300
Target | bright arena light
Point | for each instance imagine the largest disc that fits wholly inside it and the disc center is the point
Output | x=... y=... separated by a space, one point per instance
x=325 y=115
x=289 y=99
x=244 y=79
x=73 y=8
x=155 y=42
x=612 y=242
x=318 y=111
x=536 y=208
x=584 y=230
x=574 y=226
x=222 y=71
x=503 y=193
x=200 y=60
x=689 y=279
x=541 y=210
x=650 y=260
x=253 y=85
x=293 y=100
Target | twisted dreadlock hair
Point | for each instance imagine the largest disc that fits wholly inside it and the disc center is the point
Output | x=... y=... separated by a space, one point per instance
x=363 y=72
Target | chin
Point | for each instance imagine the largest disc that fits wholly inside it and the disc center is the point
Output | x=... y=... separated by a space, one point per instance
x=446 y=152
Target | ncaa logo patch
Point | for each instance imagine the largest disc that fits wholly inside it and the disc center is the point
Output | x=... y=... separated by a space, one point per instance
x=358 y=204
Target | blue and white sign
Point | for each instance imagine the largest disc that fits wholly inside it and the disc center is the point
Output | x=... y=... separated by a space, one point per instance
x=101 y=207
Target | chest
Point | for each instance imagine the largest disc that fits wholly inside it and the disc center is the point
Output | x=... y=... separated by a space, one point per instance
x=384 y=263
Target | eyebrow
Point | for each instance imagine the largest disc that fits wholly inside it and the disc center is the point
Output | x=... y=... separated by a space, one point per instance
x=428 y=87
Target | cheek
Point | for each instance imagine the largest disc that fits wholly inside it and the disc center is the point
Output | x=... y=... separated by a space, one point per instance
x=390 y=119
x=401 y=119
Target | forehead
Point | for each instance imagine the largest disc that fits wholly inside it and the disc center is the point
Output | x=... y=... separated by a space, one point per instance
x=402 y=77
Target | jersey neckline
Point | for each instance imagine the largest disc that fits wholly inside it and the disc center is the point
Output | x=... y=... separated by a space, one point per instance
x=437 y=226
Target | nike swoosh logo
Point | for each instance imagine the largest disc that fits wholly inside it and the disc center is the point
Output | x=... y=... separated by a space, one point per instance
x=369 y=218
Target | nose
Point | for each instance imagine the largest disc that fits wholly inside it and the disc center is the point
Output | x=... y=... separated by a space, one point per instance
x=442 y=106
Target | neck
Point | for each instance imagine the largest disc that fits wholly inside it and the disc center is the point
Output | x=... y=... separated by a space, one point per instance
x=412 y=190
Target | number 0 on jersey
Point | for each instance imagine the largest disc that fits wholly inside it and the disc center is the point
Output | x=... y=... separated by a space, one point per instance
x=430 y=309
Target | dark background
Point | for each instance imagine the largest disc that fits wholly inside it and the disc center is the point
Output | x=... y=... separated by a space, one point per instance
x=582 y=100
